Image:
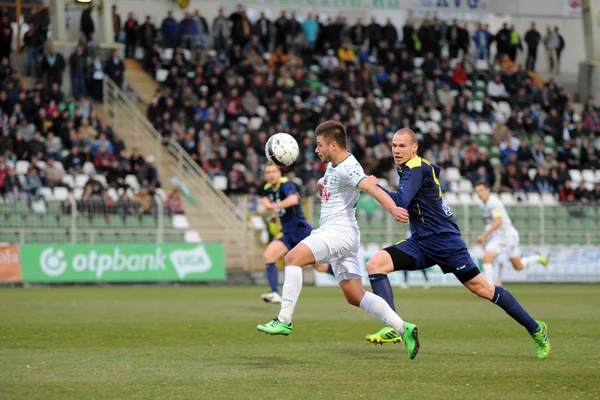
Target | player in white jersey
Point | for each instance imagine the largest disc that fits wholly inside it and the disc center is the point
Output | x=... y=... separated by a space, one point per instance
x=500 y=235
x=337 y=240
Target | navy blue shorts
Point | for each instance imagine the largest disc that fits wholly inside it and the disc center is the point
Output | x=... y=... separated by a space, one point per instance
x=291 y=239
x=447 y=250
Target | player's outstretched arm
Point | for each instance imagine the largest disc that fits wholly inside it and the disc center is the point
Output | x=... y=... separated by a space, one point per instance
x=370 y=188
x=290 y=201
x=409 y=185
x=496 y=223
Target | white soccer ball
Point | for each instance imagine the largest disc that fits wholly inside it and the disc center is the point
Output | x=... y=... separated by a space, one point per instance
x=282 y=149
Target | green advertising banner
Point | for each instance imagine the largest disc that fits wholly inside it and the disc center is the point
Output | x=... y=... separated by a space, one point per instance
x=122 y=263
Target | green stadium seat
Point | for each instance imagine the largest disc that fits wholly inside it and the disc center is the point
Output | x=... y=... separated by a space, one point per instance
x=116 y=222
x=33 y=221
x=149 y=221
x=132 y=222
x=577 y=239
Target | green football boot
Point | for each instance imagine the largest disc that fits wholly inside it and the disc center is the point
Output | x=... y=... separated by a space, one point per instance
x=544 y=260
x=540 y=338
x=411 y=339
x=275 y=327
x=386 y=335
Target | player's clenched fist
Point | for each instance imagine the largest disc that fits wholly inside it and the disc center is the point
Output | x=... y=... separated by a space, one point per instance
x=373 y=179
x=401 y=215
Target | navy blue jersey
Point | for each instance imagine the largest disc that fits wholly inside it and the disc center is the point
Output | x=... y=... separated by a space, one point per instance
x=291 y=218
x=419 y=192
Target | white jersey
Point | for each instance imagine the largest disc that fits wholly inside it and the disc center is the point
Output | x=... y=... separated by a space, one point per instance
x=340 y=193
x=494 y=209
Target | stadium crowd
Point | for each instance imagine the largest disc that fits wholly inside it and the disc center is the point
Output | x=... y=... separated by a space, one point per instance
x=49 y=137
x=222 y=102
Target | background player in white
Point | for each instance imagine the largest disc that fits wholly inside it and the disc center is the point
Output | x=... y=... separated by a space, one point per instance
x=337 y=240
x=500 y=234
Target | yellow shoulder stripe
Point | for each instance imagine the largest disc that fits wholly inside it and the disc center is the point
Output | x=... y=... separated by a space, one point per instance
x=284 y=179
x=267 y=186
x=414 y=162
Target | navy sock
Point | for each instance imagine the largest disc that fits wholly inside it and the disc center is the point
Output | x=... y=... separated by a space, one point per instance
x=330 y=270
x=405 y=276
x=383 y=288
x=504 y=299
x=273 y=277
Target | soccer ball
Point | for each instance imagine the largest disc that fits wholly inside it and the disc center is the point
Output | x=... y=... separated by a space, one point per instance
x=282 y=149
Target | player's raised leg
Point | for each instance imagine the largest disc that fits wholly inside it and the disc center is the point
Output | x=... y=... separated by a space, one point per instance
x=505 y=300
x=357 y=296
x=275 y=250
x=326 y=268
x=520 y=263
x=298 y=257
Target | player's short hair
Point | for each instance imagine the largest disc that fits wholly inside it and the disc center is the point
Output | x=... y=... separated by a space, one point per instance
x=270 y=164
x=410 y=132
x=482 y=183
x=333 y=131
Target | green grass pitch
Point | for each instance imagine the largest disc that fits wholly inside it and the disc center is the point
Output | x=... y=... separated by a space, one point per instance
x=201 y=343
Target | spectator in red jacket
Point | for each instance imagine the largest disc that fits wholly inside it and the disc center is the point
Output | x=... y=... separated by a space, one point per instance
x=566 y=193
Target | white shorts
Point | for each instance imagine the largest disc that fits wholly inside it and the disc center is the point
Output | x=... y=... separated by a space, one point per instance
x=505 y=244
x=339 y=247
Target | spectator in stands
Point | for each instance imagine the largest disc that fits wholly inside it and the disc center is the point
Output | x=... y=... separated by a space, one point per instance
x=496 y=89
x=147 y=35
x=115 y=68
x=78 y=68
x=131 y=35
x=33 y=41
x=142 y=201
x=532 y=39
x=54 y=173
x=222 y=32
x=86 y=23
x=566 y=194
x=203 y=32
x=551 y=43
x=116 y=18
x=169 y=31
x=52 y=66
x=174 y=204
x=148 y=174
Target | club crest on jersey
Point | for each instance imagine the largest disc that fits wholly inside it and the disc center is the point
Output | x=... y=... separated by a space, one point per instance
x=325 y=195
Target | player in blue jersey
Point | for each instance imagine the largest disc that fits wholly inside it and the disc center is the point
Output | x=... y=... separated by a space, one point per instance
x=435 y=240
x=281 y=197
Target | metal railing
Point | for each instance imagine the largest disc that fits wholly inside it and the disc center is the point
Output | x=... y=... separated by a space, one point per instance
x=87 y=221
x=119 y=107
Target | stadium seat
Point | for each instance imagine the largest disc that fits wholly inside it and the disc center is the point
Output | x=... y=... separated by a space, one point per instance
x=548 y=199
x=180 y=222
x=435 y=115
x=360 y=101
x=575 y=175
x=161 y=75
x=418 y=61
x=191 y=237
x=132 y=181
x=21 y=167
x=454 y=188
x=452 y=174
x=322 y=100
x=421 y=125
x=481 y=65
x=597 y=176
x=47 y=193
x=80 y=180
x=588 y=175
x=261 y=111
x=61 y=193
x=243 y=120
x=78 y=192
x=478 y=106
x=255 y=123
x=465 y=198
x=433 y=125
x=220 y=182
x=508 y=199
x=473 y=128
x=451 y=198
x=534 y=199
x=387 y=103
x=485 y=128
x=88 y=168
x=167 y=54
x=465 y=186
x=68 y=180
x=101 y=179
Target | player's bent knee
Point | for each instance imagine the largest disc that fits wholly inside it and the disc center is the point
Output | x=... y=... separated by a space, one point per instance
x=488 y=257
x=353 y=298
x=300 y=256
x=380 y=263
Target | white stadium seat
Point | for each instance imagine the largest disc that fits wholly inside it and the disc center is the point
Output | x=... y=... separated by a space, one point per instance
x=220 y=182
x=78 y=193
x=452 y=174
x=418 y=61
x=191 y=237
x=473 y=128
x=454 y=186
x=180 y=222
x=435 y=115
x=81 y=180
x=387 y=103
x=485 y=128
x=360 y=101
x=534 y=199
x=465 y=186
x=61 y=193
x=597 y=175
x=508 y=199
x=255 y=123
x=588 y=175
x=112 y=194
x=478 y=105
x=68 y=180
x=101 y=179
x=132 y=181
x=433 y=125
x=481 y=65
x=88 y=168
x=451 y=198
x=47 y=193
x=167 y=54
x=465 y=199
x=261 y=111
x=161 y=75
x=548 y=199
x=21 y=167
x=575 y=175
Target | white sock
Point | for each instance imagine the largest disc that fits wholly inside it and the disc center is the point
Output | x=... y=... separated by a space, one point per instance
x=292 y=286
x=378 y=308
x=488 y=273
x=526 y=261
